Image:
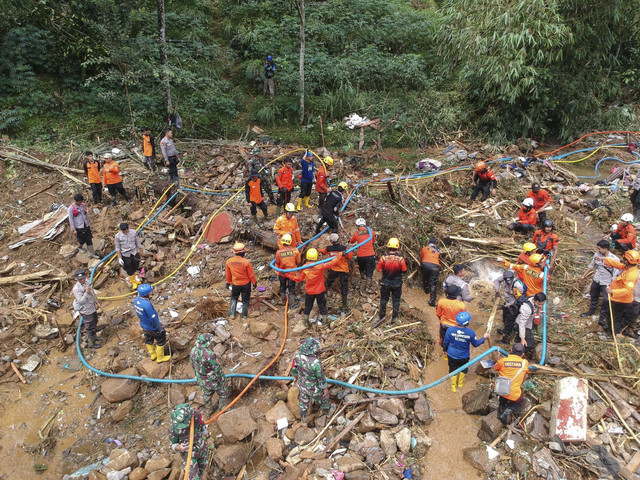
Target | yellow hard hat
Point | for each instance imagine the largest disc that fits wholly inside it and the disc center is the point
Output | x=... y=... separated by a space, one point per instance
x=286 y=239
x=393 y=243
x=289 y=207
x=312 y=254
x=343 y=185
x=535 y=258
x=529 y=247
x=239 y=247
x=328 y=161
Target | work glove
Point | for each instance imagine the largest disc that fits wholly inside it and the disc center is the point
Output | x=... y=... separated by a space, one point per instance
x=121 y=262
x=228 y=285
x=497 y=295
x=255 y=285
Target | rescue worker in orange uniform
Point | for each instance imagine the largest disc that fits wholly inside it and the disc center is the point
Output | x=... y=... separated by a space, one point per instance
x=541 y=200
x=341 y=269
x=287 y=223
x=253 y=190
x=314 y=285
x=527 y=218
x=532 y=274
x=527 y=249
x=92 y=171
x=546 y=241
x=240 y=277
x=287 y=257
x=366 y=254
x=112 y=179
x=624 y=238
x=284 y=179
x=430 y=268
x=515 y=368
x=148 y=150
x=484 y=180
x=322 y=181
x=447 y=309
x=621 y=293
x=392 y=265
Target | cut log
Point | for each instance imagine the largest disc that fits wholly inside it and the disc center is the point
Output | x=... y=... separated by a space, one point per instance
x=500 y=241
x=26 y=277
x=38 y=163
x=569 y=411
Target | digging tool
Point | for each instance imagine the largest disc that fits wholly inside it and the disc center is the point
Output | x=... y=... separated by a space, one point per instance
x=613 y=334
x=491 y=319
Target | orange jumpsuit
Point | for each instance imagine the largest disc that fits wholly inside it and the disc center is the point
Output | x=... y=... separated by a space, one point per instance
x=288 y=225
x=532 y=276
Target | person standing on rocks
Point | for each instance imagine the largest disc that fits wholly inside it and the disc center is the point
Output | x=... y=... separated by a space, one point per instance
x=306 y=180
x=240 y=277
x=92 y=172
x=253 y=190
x=458 y=278
x=79 y=221
x=392 y=265
x=322 y=181
x=208 y=372
x=515 y=368
x=148 y=150
x=171 y=156
x=509 y=308
x=457 y=344
x=129 y=249
x=153 y=330
x=256 y=162
x=287 y=257
x=310 y=379
x=601 y=279
x=484 y=180
x=179 y=432
x=330 y=211
x=284 y=179
x=113 y=179
x=341 y=269
x=447 y=309
x=85 y=304
x=430 y=268
x=288 y=223
x=366 y=254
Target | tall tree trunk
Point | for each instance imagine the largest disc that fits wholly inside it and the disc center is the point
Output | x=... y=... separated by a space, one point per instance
x=301 y=14
x=166 y=86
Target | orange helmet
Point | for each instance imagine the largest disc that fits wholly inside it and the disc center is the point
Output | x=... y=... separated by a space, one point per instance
x=239 y=248
x=632 y=257
x=480 y=166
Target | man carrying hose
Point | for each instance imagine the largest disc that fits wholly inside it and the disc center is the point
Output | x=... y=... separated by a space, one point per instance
x=310 y=379
x=287 y=257
x=287 y=223
x=150 y=323
x=179 y=432
x=209 y=374
x=366 y=253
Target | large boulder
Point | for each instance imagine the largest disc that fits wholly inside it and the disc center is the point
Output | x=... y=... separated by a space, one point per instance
x=153 y=369
x=237 y=424
x=279 y=410
x=388 y=443
x=382 y=416
x=120 y=459
x=476 y=401
x=231 y=458
x=350 y=464
x=403 y=440
x=274 y=447
x=157 y=463
x=422 y=409
x=478 y=457
x=122 y=411
x=117 y=390
x=394 y=406
x=490 y=427
x=292 y=401
x=261 y=330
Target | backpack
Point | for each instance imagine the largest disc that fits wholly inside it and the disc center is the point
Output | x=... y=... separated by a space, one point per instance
x=175 y=120
x=502 y=385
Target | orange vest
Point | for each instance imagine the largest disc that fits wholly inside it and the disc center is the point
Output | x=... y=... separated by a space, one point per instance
x=147 y=149
x=322 y=180
x=628 y=235
x=622 y=286
x=447 y=309
x=239 y=271
x=93 y=172
x=284 y=178
x=530 y=217
x=509 y=367
x=315 y=276
x=342 y=265
x=288 y=225
x=287 y=258
x=428 y=255
x=111 y=173
x=360 y=236
x=532 y=277
x=255 y=193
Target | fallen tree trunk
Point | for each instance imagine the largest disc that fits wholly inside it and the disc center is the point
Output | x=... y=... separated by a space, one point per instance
x=38 y=163
x=26 y=277
x=485 y=241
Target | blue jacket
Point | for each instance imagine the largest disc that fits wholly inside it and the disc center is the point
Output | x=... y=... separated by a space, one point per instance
x=456 y=342
x=147 y=314
x=307 y=170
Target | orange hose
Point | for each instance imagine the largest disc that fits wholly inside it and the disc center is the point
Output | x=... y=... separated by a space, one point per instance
x=254 y=379
x=188 y=466
x=585 y=136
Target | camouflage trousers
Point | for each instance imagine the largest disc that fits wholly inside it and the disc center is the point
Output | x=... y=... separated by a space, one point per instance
x=214 y=382
x=199 y=459
x=318 y=397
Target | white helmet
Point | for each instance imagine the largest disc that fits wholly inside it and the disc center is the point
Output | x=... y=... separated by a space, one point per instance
x=361 y=222
x=528 y=202
x=614 y=227
x=627 y=217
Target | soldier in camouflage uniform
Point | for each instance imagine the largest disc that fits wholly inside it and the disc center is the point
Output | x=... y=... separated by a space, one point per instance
x=179 y=438
x=256 y=162
x=209 y=374
x=310 y=378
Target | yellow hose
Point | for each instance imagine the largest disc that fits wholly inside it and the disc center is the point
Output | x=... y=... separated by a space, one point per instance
x=591 y=154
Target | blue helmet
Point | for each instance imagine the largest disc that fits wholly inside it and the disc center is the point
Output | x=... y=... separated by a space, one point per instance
x=463 y=319
x=145 y=289
x=269 y=58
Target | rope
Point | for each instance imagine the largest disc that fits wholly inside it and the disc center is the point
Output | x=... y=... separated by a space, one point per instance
x=191 y=432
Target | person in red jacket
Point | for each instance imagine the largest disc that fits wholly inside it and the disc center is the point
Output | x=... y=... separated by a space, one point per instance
x=284 y=179
x=526 y=222
x=366 y=253
x=484 y=180
x=322 y=180
x=253 y=190
x=430 y=268
x=240 y=277
x=341 y=269
x=624 y=238
x=314 y=285
x=547 y=241
x=541 y=200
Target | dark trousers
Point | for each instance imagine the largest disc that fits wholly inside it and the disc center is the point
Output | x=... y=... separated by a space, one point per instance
x=623 y=316
x=262 y=206
x=160 y=338
x=522 y=227
x=284 y=196
x=456 y=363
x=173 y=177
x=305 y=189
x=367 y=265
x=542 y=216
x=344 y=281
x=442 y=332
x=286 y=284
x=484 y=187
x=530 y=349
x=96 y=191
x=393 y=291
x=623 y=247
x=116 y=188
x=595 y=292
x=244 y=290
x=508 y=407
x=83 y=235
x=131 y=263
x=309 y=300
x=321 y=199
x=430 y=274
x=509 y=315
x=330 y=219
x=90 y=321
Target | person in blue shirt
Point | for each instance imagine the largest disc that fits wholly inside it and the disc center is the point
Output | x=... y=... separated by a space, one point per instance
x=306 y=179
x=150 y=324
x=457 y=343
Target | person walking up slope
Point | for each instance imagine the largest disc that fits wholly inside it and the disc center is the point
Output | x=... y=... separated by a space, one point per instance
x=430 y=268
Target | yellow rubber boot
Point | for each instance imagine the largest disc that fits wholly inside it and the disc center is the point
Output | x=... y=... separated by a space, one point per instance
x=299 y=207
x=134 y=282
x=460 y=379
x=152 y=351
x=454 y=383
x=161 y=357
x=306 y=202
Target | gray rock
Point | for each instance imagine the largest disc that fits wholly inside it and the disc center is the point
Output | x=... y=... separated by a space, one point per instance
x=490 y=427
x=382 y=416
x=403 y=440
x=476 y=401
x=237 y=424
x=394 y=406
x=479 y=459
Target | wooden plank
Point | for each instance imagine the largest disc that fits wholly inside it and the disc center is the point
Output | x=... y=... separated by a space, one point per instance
x=17 y=372
x=569 y=410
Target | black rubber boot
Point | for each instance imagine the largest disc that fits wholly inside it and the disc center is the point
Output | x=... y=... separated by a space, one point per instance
x=588 y=313
x=245 y=310
x=232 y=308
x=92 y=342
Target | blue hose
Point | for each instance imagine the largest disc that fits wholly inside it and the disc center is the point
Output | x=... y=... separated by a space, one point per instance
x=543 y=355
